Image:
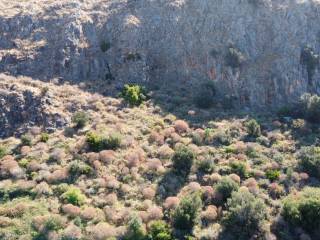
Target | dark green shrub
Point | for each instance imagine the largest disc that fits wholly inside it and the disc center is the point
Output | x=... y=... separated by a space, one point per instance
x=303 y=209
x=159 y=230
x=74 y=196
x=310 y=105
x=240 y=168
x=133 y=94
x=234 y=57
x=80 y=119
x=225 y=187
x=310 y=60
x=205 y=96
x=44 y=137
x=207 y=165
x=245 y=216
x=98 y=143
x=26 y=140
x=135 y=230
x=273 y=174
x=309 y=160
x=253 y=128
x=187 y=213
x=183 y=159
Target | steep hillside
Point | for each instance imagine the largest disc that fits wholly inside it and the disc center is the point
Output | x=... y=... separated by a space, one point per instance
x=114 y=171
x=260 y=52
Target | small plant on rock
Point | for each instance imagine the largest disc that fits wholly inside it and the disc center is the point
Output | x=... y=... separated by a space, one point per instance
x=253 y=128
x=134 y=94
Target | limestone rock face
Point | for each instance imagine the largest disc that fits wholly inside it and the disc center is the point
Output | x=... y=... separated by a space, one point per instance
x=252 y=49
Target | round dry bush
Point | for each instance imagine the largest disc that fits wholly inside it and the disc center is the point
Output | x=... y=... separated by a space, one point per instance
x=168 y=131
x=165 y=152
x=134 y=158
x=25 y=150
x=111 y=199
x=148 y=193
x=34 y=166
x=252 y=185
x=235 y=178
x=181 y=126
x=58 y=176
x=215 y=177
x=275 y=190
x=71 y=210
x=89 y=213
x=107 y=156
x=92 y=156
x=210 y=214
x=155 y=213
x=153 y=164
x=112 y=183
x=72 y=232
x=171 y=202
x=156 y=138
x=102 y=231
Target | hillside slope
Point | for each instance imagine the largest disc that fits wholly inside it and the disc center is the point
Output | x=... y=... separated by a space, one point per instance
x=255 y=50
x=111 y=170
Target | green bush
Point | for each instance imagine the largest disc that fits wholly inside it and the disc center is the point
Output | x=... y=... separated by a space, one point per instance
x=26 y=140
x=187 y=213
x=303 y=209
x=44 y=137
x=134 y=94
x=225 y=187
x=207 y=165
x=245 y=215
x=309 y=160
x=234 y=57
x=98 y=143
x=273 y=174
x=240 y=168
x=3 y=151
x=135 y=230
x=80 y=119
x=183 y=159
x=159 y=230
x=205 y=95
x=74 y=196
x=310 y=105
x=253 y=128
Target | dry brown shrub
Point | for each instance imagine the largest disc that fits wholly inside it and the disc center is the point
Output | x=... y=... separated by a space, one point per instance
x=102 y=231
x=135 y=157
x=58 y=176
x=181 y=126
x=235 y=178
x=157 y=138
x=107 y=156
x=154 y=164
x=72 y=232
x=111 y=199
x=148 y=193
x=155 y=213
x=71 y=210
x=171 y=202
x=210 y=214
x=165 y=152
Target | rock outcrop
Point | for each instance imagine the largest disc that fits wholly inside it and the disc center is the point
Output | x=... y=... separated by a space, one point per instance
x=261 y=52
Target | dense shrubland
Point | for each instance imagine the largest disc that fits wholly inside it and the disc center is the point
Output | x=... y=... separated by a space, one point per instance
x=132 y=171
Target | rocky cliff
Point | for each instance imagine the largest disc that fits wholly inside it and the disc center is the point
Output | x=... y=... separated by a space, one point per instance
x=261 y=52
